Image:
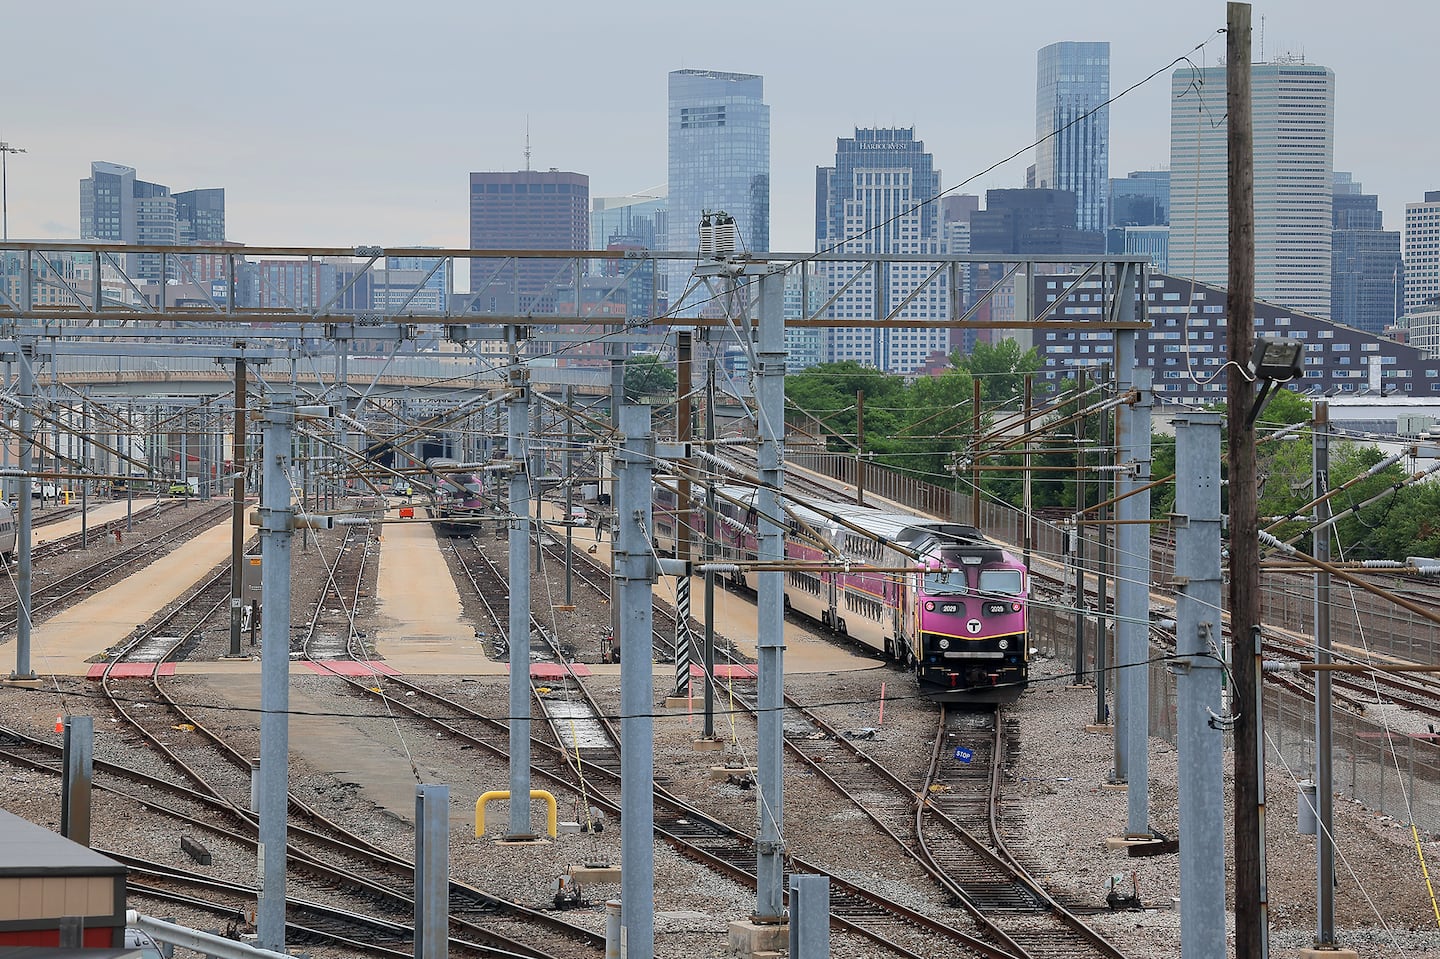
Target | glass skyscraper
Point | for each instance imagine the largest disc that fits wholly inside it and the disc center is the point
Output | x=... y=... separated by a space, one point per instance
x=879 y=197
x=1072 y=80
x=1293 y=109
x=719 y=161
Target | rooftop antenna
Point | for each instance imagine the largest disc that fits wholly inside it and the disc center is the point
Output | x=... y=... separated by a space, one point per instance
x=527 y=143
x=1262 y=38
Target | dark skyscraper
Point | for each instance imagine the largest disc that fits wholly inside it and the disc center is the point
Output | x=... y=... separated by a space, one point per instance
x=201 y=215
x=528 y=210
x=1365 y=274
x=1073 y=126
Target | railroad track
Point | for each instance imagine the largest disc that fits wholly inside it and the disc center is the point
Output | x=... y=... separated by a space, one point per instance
x=958 y=830
x=326 y=859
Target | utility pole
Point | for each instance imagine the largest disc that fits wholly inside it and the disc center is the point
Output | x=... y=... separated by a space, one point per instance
x=1324 y=791
x=1251 y=907
x=237 y=505
x=1029 y=517
x=860 y=447
x=975 y=453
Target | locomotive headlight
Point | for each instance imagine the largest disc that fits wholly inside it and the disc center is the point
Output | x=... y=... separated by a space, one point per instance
x=943 y=644
x=930 y=607
x=1004 y=644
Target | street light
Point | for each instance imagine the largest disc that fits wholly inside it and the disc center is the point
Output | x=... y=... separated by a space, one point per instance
x=5 y=150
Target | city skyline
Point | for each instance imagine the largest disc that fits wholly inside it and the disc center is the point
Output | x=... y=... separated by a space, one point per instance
x=294 y=176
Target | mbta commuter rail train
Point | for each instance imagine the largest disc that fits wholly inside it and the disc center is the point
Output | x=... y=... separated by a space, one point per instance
x=956 y=614
x=455 y=502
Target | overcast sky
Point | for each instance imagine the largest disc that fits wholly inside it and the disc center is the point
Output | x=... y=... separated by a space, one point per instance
x=357 y=123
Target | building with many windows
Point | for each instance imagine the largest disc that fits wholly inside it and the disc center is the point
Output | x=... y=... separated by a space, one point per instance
x=201 y=216
x=114 y=205
x=1187 y=344
x=1142 y=198
x=1422 y=253
x=528 y=210
x=1072 y=124
x=1365 y=275
x=719 y=143
x=1294 y=118
x=877 y=198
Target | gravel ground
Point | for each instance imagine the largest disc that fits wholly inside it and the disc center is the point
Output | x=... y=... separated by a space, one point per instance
x=1057 y=806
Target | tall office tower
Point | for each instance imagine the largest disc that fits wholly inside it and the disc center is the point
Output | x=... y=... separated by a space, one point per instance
x=1072 y=84
x=879 y=198
x=114 y=205
x=719 y=140
x=202 y=215
x=528 y=210
x=1140 y=199
x=107 y=203
x=1294 y=120
x=1365 y=274
x=1422 y=253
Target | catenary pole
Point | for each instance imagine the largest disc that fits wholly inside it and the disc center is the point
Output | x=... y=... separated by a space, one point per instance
x=770 y=633
x=1324 y=791
x=23 y=569
x=1198 y=669
x=711 y=504
x=1078 y=535
x=275 y=536
x=684 y=641
x=635 y=577
x=1251 y=912
x=519 y=569
x=1132 y=553
x=237 y=505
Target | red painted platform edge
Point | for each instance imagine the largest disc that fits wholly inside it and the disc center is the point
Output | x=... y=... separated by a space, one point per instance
x=96 y=671
x=349 y=667
x=556 y=671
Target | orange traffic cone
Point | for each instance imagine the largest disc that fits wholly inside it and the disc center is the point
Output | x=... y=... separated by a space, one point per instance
x=59 y=724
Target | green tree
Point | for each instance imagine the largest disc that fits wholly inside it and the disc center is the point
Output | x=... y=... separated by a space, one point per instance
x=1000 y=367
x=647 y=375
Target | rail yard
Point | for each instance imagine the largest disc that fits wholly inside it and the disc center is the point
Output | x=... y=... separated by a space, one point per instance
x=1006 y=855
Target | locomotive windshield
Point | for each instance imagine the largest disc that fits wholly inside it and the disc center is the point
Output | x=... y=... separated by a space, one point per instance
x=1006 y=582
x=945 y=582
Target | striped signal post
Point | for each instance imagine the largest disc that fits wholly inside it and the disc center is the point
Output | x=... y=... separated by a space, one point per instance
x=684 y=638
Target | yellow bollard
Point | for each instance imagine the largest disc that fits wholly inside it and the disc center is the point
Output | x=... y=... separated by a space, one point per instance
x=552 y=815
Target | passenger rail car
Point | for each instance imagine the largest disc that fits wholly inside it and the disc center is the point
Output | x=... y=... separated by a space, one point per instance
x=9 y=529
x=937 y=597
x=456 y=502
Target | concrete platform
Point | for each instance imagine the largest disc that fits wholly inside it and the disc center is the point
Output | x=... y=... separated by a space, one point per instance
x=708 y=745
x=1328 y=954
x=752 y=940
x=1099 y=728
x=1115 y=787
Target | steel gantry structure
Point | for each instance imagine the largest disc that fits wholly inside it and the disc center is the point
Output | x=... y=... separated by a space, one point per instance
x=332 y=322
